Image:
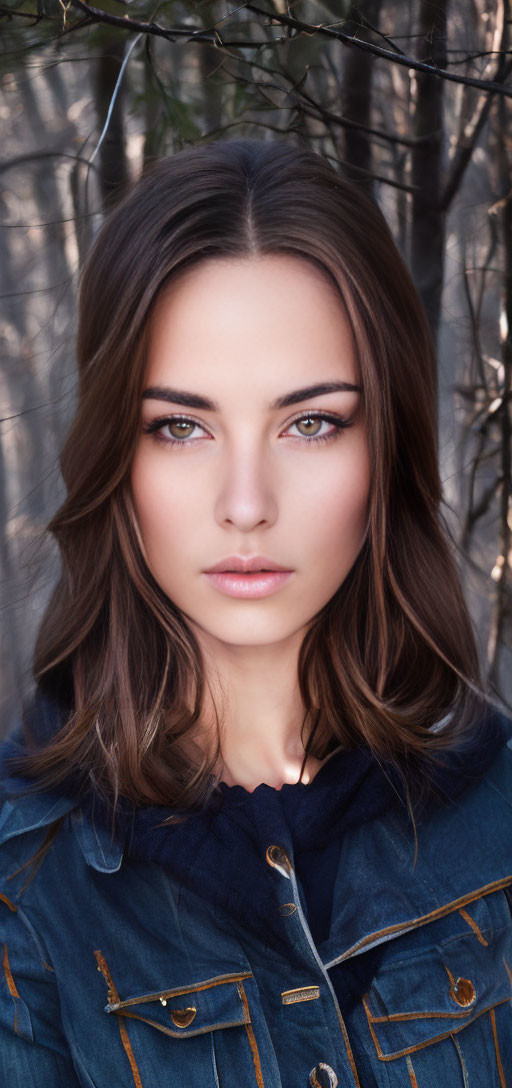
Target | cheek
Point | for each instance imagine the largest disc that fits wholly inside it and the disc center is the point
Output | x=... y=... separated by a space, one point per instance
x=343 y=532
x=338 y=507
x=160 y=504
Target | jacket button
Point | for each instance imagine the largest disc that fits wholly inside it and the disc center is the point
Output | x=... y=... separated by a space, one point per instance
x=183 y=1017
x=323 y=1076
x=463 y=992
x=278 y=858
x=287 y=908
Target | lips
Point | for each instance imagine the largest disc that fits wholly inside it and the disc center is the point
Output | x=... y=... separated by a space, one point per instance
x=237 y=564
x=248 y=584
x=241 y=570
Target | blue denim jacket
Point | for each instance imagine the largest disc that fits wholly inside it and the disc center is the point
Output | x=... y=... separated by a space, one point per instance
x=115 y=974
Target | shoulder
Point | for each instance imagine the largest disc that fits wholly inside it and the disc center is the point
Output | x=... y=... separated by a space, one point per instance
x=485 y=801
x=473 y=823
x=475 y=785
x=497 y=780
x=44 y=834
x=43 y=878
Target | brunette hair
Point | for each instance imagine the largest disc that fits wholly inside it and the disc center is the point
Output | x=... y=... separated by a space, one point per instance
x=390 y=662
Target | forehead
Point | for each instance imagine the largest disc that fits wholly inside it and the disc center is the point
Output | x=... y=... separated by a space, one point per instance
x=261 y=320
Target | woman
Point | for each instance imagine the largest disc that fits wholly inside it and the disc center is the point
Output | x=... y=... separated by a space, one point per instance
x=256 y=827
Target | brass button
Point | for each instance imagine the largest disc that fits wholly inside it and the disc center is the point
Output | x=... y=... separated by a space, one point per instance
x=183 y=1017
x=287 y=908
x=278 y=858
x=323 y=1076
x=463 y=992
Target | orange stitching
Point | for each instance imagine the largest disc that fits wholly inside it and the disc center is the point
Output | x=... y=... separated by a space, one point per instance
x=102 y=966
x=12 y=986
x=370 y=1025
x=12 y=906
x=349 y=1050
x=509 y=972
x=428 y=1042
x=8 y=974
x=113 y=995
x=128 y=1047
x=424 y=1015
x=424 y=918
x=415 y=1015
x=193 y=988
x=497 y=1049
x=178 y=1034
x=252 y=1038
x=300 y=993
x=412 y=1074
x=467 y=917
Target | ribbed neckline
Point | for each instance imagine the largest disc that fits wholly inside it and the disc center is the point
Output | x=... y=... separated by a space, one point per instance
x=238 y=793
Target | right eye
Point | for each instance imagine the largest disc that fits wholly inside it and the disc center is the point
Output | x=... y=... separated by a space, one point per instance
x=156 y=427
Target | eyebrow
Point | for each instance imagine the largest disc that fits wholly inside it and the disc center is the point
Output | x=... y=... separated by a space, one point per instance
x=195 y=400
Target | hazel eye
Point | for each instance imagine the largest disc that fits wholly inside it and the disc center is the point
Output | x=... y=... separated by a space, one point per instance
x=181 y=427
x=182 y=430
x=308 y=420
x=338 y=424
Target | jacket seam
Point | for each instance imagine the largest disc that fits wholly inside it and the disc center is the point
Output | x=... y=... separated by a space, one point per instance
x=427 y=1042
x=415 y=923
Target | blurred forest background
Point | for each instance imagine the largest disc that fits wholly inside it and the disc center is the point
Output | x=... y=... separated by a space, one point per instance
x=412 y=100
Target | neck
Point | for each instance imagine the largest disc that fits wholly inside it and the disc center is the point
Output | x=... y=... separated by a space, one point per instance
x=256 y=691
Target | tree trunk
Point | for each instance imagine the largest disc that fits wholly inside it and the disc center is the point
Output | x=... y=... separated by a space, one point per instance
x=357 y=98
x=428 y=222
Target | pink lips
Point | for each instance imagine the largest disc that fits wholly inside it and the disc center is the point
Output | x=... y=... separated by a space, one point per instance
x=249 y=585
x=247 y=564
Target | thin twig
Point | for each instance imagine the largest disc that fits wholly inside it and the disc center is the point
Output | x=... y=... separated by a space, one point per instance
x=122 y=70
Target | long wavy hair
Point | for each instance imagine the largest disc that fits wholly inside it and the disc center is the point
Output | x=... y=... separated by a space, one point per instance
x=390 y=662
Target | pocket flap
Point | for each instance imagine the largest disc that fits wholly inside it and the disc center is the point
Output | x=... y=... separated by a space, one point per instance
x=415 y=1001
x=218 y=1002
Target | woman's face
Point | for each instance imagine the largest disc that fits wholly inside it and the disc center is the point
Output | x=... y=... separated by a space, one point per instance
x=247 y=476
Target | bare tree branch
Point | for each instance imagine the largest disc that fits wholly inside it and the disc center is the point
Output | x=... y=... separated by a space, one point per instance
x=378 y=51
x=468 y=139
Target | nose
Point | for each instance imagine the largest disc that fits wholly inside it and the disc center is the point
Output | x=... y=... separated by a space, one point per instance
x=247 y=492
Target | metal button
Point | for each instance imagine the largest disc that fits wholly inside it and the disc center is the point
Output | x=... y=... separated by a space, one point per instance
x=323 y=1076
x=287 y=908
x=463 y=992
x=278 y=858
x=183 y=1017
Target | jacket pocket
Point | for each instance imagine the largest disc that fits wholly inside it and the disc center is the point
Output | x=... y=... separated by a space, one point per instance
x=208 y=1034
x=205 y=1006
x=445 y=1013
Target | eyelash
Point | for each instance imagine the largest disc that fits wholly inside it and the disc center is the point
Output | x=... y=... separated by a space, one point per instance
x=156 y=425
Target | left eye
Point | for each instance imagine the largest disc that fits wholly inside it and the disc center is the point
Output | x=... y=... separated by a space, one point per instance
x=308 y=420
